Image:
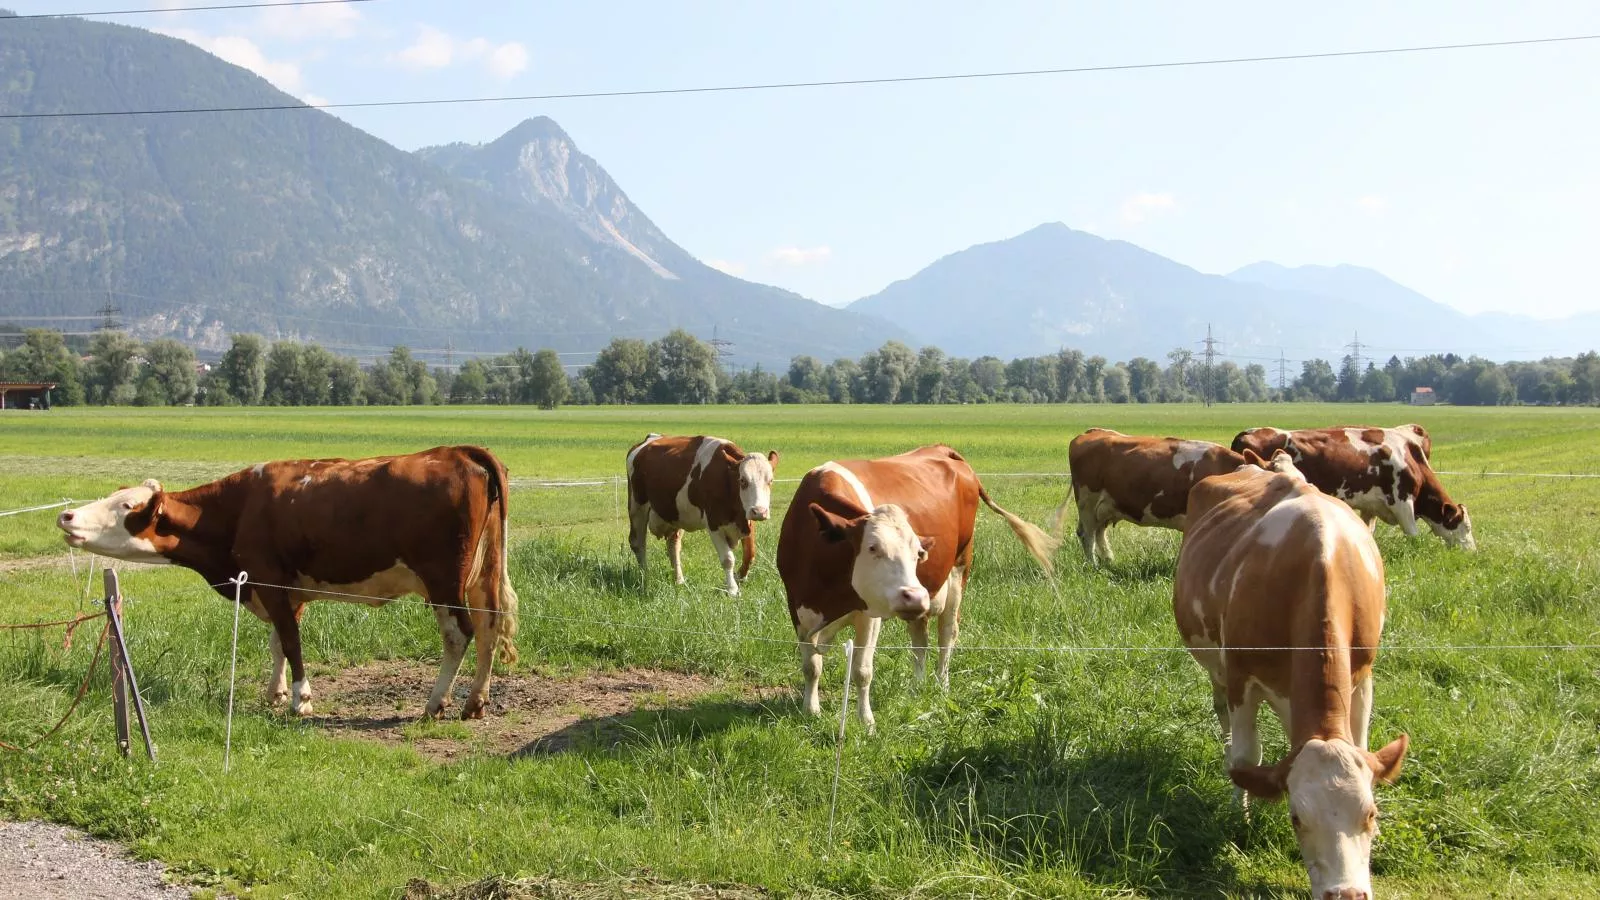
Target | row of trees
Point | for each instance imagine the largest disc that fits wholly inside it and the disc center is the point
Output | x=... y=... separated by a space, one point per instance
x=680 y=368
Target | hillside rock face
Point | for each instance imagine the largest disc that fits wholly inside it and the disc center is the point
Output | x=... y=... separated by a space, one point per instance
x=296 y=224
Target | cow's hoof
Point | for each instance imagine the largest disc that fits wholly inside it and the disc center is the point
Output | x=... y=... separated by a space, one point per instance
x=472 y=711
x=278 y=698
x=303 y=708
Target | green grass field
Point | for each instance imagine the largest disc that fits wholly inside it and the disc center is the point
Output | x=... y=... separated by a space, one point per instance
x=1041 y=773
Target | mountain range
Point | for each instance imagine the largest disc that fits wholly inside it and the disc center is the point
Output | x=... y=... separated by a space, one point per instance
x=1053 y=287
x=295 y=224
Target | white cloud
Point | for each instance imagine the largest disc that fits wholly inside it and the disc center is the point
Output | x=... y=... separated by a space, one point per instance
x=727 y=266
x=315 y=99
x=1373 y=204
x=436 y=49
x=331 y=20
x=799 y=256
x=1144 y=206
x=243 y=52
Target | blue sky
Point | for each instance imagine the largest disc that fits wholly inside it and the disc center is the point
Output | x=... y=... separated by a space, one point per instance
x=1468 y=175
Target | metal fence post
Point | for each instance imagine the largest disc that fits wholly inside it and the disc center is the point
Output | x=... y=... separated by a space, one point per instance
x=120 y=659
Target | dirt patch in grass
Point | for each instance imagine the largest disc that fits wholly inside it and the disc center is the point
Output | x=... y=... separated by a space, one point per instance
x=528 y=714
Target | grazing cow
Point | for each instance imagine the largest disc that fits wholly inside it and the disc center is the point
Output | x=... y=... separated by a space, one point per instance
x=678 y=484
x=867 y=539
x=1143 y=480
x=367 y=530
x=1279 y=596
x=1383 y=473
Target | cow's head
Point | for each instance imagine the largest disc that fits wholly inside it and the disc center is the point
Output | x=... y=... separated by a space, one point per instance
x=122 y=526
x=1455 y=526
x=888 y=551
x=1331 y=805
x=755 y=474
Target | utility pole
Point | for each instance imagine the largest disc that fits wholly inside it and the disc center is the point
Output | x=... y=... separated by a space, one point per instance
x=1283 y=369
x=108 y=315
x=450 y=353
x=1210 y=344
x=722 y=348
x=1354 y=347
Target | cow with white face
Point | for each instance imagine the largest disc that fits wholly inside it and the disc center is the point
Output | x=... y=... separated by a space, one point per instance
x=867 y=540
x=1279 y=596
x=365 y=530
x=678 y=484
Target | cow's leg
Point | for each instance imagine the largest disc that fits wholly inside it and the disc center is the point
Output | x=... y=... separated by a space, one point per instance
x=277 y=688
x=1088 y=533
x=1244 y=744
x=1405 y=515
x=285 y=616
x=812 y=648
x=675 y=554
x=638 y=529
x=485 y=622
x=455 y=647
x=918 y=629
x=1102 y=543
x=1361 y=711
x=950 y=623
x=749 y=543
x=866 y=628
x=724 y=547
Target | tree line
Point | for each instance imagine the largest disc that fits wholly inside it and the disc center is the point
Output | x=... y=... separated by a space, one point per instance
x=116 y=369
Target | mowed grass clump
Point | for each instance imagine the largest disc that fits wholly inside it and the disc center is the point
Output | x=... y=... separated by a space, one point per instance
x=1089 y=765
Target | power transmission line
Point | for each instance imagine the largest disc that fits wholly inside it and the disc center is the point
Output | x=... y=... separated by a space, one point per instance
x=791 y=85
x=175 y=9
x=1211 y=356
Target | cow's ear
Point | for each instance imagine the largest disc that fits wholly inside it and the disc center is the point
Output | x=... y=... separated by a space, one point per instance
x=1261 y=782
x=153 y=484
x=1251 y=458
x=927 y=544
x=1386 y=763
x=772 y=458
x=834 y=528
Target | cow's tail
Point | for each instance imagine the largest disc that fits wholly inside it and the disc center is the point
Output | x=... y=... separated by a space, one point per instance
x=504 y=612
x=1039 y=543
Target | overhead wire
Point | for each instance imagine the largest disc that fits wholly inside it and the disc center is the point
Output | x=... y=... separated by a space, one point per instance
x=830 y=83
x=270 y=4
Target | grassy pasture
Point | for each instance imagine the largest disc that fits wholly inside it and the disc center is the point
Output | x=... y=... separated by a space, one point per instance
x=1039 y=774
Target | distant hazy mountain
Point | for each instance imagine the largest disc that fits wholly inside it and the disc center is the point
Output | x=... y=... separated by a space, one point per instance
x=296 y=224
x=1053 y=287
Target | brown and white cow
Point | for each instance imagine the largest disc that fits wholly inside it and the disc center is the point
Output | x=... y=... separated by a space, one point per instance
x=864 y=540
x=431 y=523
x=1129 y=478
x=1279 y=596
x=1383 y=473
x=678 y=484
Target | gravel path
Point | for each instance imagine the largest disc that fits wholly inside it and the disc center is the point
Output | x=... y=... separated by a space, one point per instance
x=40 y=861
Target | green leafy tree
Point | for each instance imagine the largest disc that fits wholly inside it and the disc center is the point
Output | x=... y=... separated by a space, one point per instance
x=346 y=382
x=113 y=368
x=621 y=373
x=1316 y=381
x=43 y=356
x=471 y=383
x=547 y=380
x=685 y=368
x=169 y=367
x=243 y=369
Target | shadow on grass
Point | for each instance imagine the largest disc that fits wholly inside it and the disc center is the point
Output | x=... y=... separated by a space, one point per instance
x=1132 y=817
x=646 y=729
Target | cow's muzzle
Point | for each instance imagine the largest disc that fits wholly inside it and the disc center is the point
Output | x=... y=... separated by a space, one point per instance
x=64 y=522
x=911 y=602
x=758 y=513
